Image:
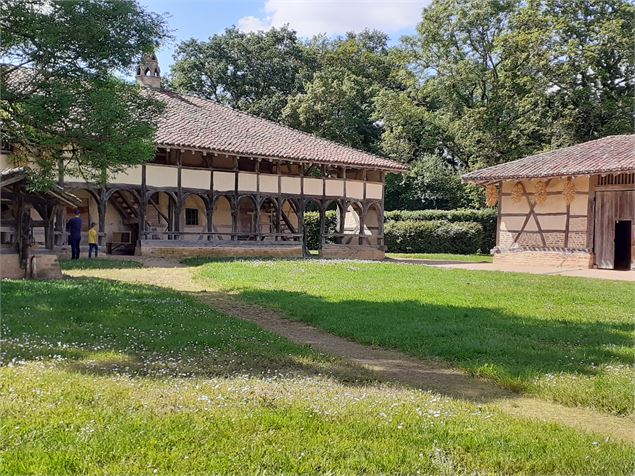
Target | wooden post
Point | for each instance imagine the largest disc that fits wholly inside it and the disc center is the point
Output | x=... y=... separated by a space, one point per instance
x=47 y=212
x=101 y=209
x=300 y=212
x=142 y=218
x=322 y=224
x=209 y=215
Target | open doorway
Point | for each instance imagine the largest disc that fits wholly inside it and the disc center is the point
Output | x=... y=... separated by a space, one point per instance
x=623 y=244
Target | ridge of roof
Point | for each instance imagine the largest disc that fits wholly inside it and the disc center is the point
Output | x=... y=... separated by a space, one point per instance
x=382 y=163
x=609 y=154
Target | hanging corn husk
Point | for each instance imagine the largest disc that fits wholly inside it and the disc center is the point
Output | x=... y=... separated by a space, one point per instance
x=540 y=196
x=491 y=195
x=517 y=192
x=569 y=191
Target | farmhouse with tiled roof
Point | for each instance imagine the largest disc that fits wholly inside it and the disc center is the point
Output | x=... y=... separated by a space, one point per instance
x=571 y=207
x=228 y=183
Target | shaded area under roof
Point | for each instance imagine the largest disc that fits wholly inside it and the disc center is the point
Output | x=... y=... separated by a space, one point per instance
x=17 y=174
x=612 y=154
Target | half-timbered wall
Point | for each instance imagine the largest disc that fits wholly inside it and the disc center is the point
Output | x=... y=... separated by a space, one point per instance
x=552 y=224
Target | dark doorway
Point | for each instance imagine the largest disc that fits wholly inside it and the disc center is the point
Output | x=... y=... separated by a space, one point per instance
x=623 y=244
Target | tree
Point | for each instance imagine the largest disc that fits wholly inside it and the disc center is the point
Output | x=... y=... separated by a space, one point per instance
x=497 y=80
x=430 y=183
x=61 y=100
x=253 y=72
x=579 y=56
x=338 y=102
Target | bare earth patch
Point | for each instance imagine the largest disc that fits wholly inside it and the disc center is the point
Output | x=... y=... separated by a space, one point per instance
x=385 y=364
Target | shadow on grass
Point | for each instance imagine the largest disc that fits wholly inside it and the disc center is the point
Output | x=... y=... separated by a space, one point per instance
x=104 y=327
x=475 y=338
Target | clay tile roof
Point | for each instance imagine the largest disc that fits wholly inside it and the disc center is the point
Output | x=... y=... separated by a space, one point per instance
x=192 y=122
x=610 y=154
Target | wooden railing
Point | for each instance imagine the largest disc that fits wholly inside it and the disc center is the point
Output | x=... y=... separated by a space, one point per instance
x=222 y=236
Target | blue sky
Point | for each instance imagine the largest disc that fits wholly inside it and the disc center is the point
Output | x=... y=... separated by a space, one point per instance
x=202 y=18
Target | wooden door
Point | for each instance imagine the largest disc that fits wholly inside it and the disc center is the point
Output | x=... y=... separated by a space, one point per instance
x=610 y=206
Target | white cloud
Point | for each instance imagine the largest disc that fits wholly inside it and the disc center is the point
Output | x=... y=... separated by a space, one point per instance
x=252 y=23
x=311 y=17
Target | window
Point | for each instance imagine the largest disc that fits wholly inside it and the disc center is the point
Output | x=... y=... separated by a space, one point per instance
x=191 y=216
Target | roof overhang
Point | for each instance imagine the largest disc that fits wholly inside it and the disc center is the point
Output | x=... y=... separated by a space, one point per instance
x=400 y=168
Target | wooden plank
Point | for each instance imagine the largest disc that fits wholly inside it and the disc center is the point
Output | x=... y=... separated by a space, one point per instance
x=604 y=230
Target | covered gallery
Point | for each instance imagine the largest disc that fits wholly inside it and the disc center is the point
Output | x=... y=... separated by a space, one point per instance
x=571 y=207
x=227 y=183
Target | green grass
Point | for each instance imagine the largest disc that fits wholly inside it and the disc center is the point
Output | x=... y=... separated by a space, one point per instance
x=560 y=338
x=442 y=257
x=98 y=377
x=98 y=263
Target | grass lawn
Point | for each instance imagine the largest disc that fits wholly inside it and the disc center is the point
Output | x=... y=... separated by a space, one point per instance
x=560 y=338
x=442 y=257
x=98 y=377
x=98 y=263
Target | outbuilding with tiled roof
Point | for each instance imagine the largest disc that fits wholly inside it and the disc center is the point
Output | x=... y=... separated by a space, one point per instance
x=570 y=207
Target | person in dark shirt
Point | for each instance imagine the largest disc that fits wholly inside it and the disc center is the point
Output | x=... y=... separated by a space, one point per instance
x=75 y=231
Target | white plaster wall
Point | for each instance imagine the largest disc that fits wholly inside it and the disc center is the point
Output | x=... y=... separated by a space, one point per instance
x=290 y=185
x=193 y=201
x=224 y=181
x=355 y=189
x=247 y=182
x=222 y=218
x=334 y=188
x=312 y=186
x=268 y=183
x=197 y=179
x=130 y=176
x=374 y=190
x=158 y=176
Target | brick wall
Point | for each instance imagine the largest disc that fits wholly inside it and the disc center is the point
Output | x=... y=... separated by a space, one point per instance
x=351 y=252
x=545 y=258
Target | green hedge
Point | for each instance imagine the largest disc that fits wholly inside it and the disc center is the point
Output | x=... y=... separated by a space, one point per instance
x=434 y=236
x=312 y=227
x=485 y=217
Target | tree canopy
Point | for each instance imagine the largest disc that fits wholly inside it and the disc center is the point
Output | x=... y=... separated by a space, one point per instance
x=480 y=83
x=61 y=96
x=253 y=72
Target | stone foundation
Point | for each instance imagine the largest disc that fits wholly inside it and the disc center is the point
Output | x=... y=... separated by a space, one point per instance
x=558 y=258
x=40 y=266
x=10 y=266
x=352 y=252
x=179 y=251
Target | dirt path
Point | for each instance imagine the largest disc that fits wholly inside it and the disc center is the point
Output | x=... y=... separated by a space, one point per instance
x=386 y=364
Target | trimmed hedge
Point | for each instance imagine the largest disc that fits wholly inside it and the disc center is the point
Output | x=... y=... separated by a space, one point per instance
x=485 y=217
x=312 y=227
x=438 y=236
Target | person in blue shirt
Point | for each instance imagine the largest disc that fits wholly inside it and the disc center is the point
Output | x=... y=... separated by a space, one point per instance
x=75 y=232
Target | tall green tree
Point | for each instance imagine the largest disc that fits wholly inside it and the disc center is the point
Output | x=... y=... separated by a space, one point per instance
x=254 y=72
x=495 y=80
x=578 y=57
x=339 y=101
x=61 y=98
